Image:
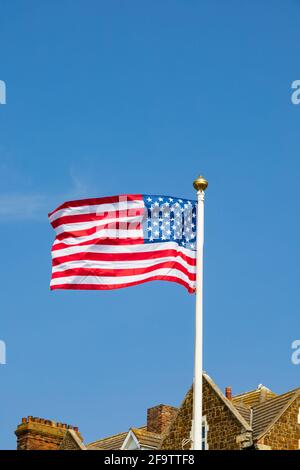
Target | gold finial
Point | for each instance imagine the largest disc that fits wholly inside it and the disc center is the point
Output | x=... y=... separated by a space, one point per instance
x=200 y=184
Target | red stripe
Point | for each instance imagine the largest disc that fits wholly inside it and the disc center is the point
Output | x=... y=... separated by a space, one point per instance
x=119 y=286
x=101 y=241
x=123 y=256
x=95 y=201
x=94 y=216
x=123 y=272
x=90 y=231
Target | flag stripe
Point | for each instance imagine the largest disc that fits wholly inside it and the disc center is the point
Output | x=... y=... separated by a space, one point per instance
x=99 y=205
x=154 y=256
x=87 y=272
x=105 y=280
x=106 y=267
x=94 y=216
x=112 y=286
x=104 y=234
x=97 y=243
x=120 y=246
x=88 y=228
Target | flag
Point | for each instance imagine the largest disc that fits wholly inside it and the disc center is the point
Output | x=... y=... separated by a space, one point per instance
x=122 y=241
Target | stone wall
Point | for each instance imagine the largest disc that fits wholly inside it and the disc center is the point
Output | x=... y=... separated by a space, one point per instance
x=225 y=431
x=285 y=433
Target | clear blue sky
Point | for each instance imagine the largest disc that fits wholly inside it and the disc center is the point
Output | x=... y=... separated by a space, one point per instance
x=109 y=97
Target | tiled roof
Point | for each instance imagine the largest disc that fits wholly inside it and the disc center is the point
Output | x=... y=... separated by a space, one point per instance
x=244 y=411
x=108 y=443
x=267 y=413
x=254 y=397
x=146 y=438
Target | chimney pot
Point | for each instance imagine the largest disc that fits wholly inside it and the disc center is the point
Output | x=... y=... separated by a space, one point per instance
x=228 y=393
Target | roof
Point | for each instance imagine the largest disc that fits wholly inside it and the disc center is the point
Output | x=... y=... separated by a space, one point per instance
x=244 y=411
x=108 y=443
x=266 y=414
x=146 y=438
x=254 y=397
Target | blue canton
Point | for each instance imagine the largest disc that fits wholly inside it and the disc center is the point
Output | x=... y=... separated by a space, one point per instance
x=170 y=219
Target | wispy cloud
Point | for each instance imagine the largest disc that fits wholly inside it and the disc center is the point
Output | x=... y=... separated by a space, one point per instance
x=21 y=206
x=35 y=206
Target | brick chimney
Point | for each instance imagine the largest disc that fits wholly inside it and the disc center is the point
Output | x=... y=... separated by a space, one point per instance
x=41 y=434
x=159 y=418
x=228 y=393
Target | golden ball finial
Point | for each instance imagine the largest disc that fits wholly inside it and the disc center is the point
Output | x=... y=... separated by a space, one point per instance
x=200 y=184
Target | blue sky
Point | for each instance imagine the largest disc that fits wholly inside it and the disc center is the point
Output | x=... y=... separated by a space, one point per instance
x=111 y=97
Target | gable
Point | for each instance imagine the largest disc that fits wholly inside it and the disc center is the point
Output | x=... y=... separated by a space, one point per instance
x=277 y=420
x=71 y=441
x=226 y=424
x=130 y=442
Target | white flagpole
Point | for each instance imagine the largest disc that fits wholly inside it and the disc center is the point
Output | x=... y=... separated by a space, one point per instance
x=200 y=184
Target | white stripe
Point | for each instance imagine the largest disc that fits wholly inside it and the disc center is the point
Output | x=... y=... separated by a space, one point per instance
x=74 y=227
x=105 y=234
x=92 y=264
x=138 y=248
x=97 y=208
x=120 y=280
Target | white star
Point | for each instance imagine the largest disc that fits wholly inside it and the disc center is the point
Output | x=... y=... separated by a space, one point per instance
x=160 y=199
x=149 y=199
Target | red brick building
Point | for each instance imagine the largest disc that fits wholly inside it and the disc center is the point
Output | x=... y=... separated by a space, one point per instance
x=255 y=420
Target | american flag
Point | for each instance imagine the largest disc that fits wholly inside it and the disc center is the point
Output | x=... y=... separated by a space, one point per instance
x=121 y=241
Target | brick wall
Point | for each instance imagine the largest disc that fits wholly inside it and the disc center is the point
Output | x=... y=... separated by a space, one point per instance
x=160 y=417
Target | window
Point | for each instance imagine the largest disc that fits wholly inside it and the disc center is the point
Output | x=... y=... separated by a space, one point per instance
x=205 y=428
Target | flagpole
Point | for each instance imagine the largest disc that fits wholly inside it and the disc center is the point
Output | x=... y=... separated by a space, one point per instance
x=200 y=184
